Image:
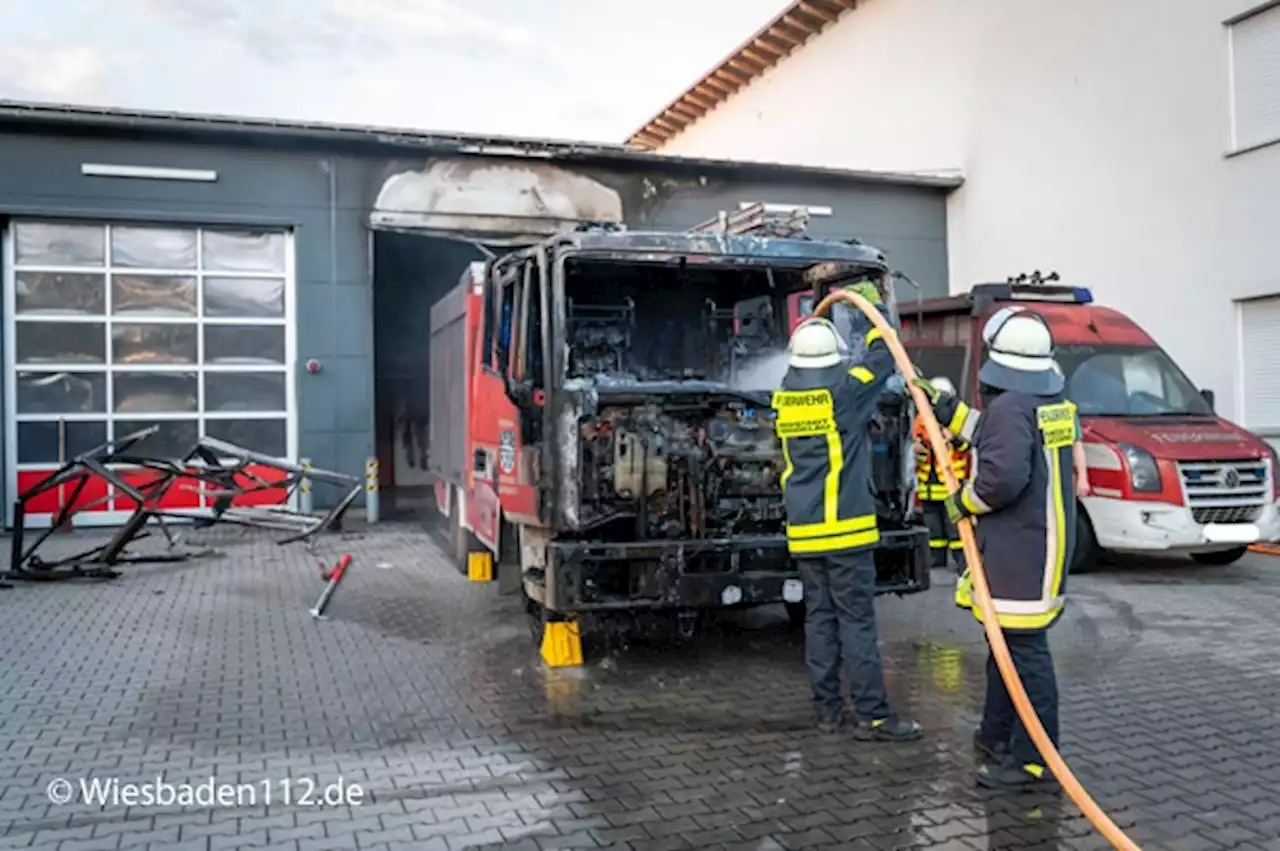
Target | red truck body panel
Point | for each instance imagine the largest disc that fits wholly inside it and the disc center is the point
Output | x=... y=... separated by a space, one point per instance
x=474 y=420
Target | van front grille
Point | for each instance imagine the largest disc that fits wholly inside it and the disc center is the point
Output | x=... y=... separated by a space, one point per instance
x=1226 y=491
x=1238 y=514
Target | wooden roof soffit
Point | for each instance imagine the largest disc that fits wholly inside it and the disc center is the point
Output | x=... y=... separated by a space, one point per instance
x=795 y=25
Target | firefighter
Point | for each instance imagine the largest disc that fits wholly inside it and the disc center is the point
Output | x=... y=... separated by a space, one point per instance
x=944 y=538
x=824 y=410
x=1022 y=494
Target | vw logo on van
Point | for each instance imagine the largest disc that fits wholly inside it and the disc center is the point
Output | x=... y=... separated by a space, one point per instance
x=1231 y=479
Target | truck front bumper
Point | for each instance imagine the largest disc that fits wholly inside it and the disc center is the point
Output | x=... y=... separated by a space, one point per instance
x=1138 y=527
x=703 y=573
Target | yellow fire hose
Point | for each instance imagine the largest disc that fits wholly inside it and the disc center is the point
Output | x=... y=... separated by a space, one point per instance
x=982 y=593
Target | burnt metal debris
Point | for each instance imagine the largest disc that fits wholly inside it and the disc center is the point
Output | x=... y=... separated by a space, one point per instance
x=222 y=471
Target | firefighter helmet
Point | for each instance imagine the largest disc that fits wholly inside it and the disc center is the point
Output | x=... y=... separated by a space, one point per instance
x=943 y=385
x=1020 y=353
x=815 y=344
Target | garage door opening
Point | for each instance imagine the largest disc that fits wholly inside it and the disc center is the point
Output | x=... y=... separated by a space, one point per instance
x=410 y=274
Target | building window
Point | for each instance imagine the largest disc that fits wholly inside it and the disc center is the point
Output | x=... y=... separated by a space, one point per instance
x=115 y=328
x=1259 y=354
x=1255 y=78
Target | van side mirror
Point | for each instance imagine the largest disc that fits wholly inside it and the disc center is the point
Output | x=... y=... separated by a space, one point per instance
x=1207 y=395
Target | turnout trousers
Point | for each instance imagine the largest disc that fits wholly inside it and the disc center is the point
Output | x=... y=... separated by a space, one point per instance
x=944 y=537
x=1000 y=722
x=840 y=631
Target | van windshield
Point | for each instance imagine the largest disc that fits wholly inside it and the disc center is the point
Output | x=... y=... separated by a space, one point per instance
x=1128 y=381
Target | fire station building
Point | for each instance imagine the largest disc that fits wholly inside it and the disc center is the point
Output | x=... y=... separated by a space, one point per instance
x=1131 y=147
x=270 y=284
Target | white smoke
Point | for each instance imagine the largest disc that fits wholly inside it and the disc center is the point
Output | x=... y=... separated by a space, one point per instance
x=763 y=371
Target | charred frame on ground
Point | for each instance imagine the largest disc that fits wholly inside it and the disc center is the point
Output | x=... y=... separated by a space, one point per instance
x=211 y=466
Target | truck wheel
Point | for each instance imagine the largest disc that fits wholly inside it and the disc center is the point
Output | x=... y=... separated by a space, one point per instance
x=1086 y=555
x=1221 y=557
x=795 y=616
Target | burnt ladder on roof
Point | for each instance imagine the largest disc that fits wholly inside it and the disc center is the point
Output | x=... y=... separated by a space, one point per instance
x=758 y=219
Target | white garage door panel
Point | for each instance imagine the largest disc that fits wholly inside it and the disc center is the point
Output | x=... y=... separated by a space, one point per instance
x=1260 y=367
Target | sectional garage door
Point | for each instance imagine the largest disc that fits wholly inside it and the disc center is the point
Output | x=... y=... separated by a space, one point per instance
x=111 y=328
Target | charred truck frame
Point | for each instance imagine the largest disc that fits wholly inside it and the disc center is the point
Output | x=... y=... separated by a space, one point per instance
x=609 y=440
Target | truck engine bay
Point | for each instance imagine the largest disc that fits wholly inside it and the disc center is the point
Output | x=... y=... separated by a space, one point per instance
x=682 y=470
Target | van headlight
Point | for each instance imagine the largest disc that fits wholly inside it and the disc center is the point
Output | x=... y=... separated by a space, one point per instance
x=1275 y=471
x=1144 y=475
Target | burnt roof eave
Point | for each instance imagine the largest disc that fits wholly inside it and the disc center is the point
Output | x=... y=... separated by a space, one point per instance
x=133 y=125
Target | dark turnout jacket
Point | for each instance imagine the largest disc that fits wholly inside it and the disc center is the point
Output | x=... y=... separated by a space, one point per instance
x=1022 y=495
x=822 y=420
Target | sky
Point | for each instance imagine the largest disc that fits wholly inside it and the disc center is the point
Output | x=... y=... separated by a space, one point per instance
x=579 y=69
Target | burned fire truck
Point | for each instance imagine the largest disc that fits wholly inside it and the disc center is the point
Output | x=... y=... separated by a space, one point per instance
x=602 y=433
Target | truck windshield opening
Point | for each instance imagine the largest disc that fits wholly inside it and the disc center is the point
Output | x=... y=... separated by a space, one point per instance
x=646 y=321
x=1128 y=381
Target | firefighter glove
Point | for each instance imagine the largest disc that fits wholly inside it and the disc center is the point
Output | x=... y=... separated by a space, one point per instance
x=955 y=508
x=944 y=405
x=964 y=590
x=929 y=390
x=867 y=290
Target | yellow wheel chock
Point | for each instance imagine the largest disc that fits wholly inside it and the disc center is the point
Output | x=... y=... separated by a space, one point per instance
x=480 y=566
x=561 y=644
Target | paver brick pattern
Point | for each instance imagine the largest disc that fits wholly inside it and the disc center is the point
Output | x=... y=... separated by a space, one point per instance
x=427 y=692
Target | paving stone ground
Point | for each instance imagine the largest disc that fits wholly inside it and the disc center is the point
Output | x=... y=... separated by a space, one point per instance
x=426 y=691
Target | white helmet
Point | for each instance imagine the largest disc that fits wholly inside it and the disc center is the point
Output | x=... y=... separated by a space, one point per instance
x=1020 y=353
x=815 y=344
x=943 y=385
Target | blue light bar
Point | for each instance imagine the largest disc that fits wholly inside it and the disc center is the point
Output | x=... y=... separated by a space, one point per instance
x=1034 y=292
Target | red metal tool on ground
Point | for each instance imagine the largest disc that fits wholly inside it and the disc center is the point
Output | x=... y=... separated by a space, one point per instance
x=334 y=577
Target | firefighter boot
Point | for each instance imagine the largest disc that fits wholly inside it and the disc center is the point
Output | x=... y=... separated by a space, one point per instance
x=891 y=729
x=1009 y=777
x=989 y=752
x=829 y=719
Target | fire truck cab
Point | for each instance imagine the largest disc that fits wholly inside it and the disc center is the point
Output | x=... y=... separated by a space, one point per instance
x=602 y=433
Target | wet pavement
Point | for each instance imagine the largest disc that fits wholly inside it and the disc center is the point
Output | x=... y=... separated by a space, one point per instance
x=426 y=692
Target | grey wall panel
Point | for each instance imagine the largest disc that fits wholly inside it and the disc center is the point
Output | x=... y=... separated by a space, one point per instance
x=909 y=224
x=41 y=176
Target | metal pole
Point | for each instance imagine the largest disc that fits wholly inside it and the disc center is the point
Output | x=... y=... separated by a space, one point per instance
x=334 y=577
x=305 y=505
x=371 y=507
x=62 y=460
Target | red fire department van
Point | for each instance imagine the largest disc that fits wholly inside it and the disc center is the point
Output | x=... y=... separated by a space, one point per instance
x=1166 y=473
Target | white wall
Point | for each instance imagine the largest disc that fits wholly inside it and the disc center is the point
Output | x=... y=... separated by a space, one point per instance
x=1091 y=136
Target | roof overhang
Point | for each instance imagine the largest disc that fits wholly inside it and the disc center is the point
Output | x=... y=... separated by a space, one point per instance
x=141 y=125
x=793 y=27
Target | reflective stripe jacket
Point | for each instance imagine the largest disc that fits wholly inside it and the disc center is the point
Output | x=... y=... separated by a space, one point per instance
x=822 y=420
x=930 y=487
x=1023 y=497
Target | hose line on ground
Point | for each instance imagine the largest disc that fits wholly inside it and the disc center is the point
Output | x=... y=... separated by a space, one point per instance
x=982 y=593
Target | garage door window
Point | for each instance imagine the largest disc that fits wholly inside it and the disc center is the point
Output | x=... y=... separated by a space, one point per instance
x=116 y=328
